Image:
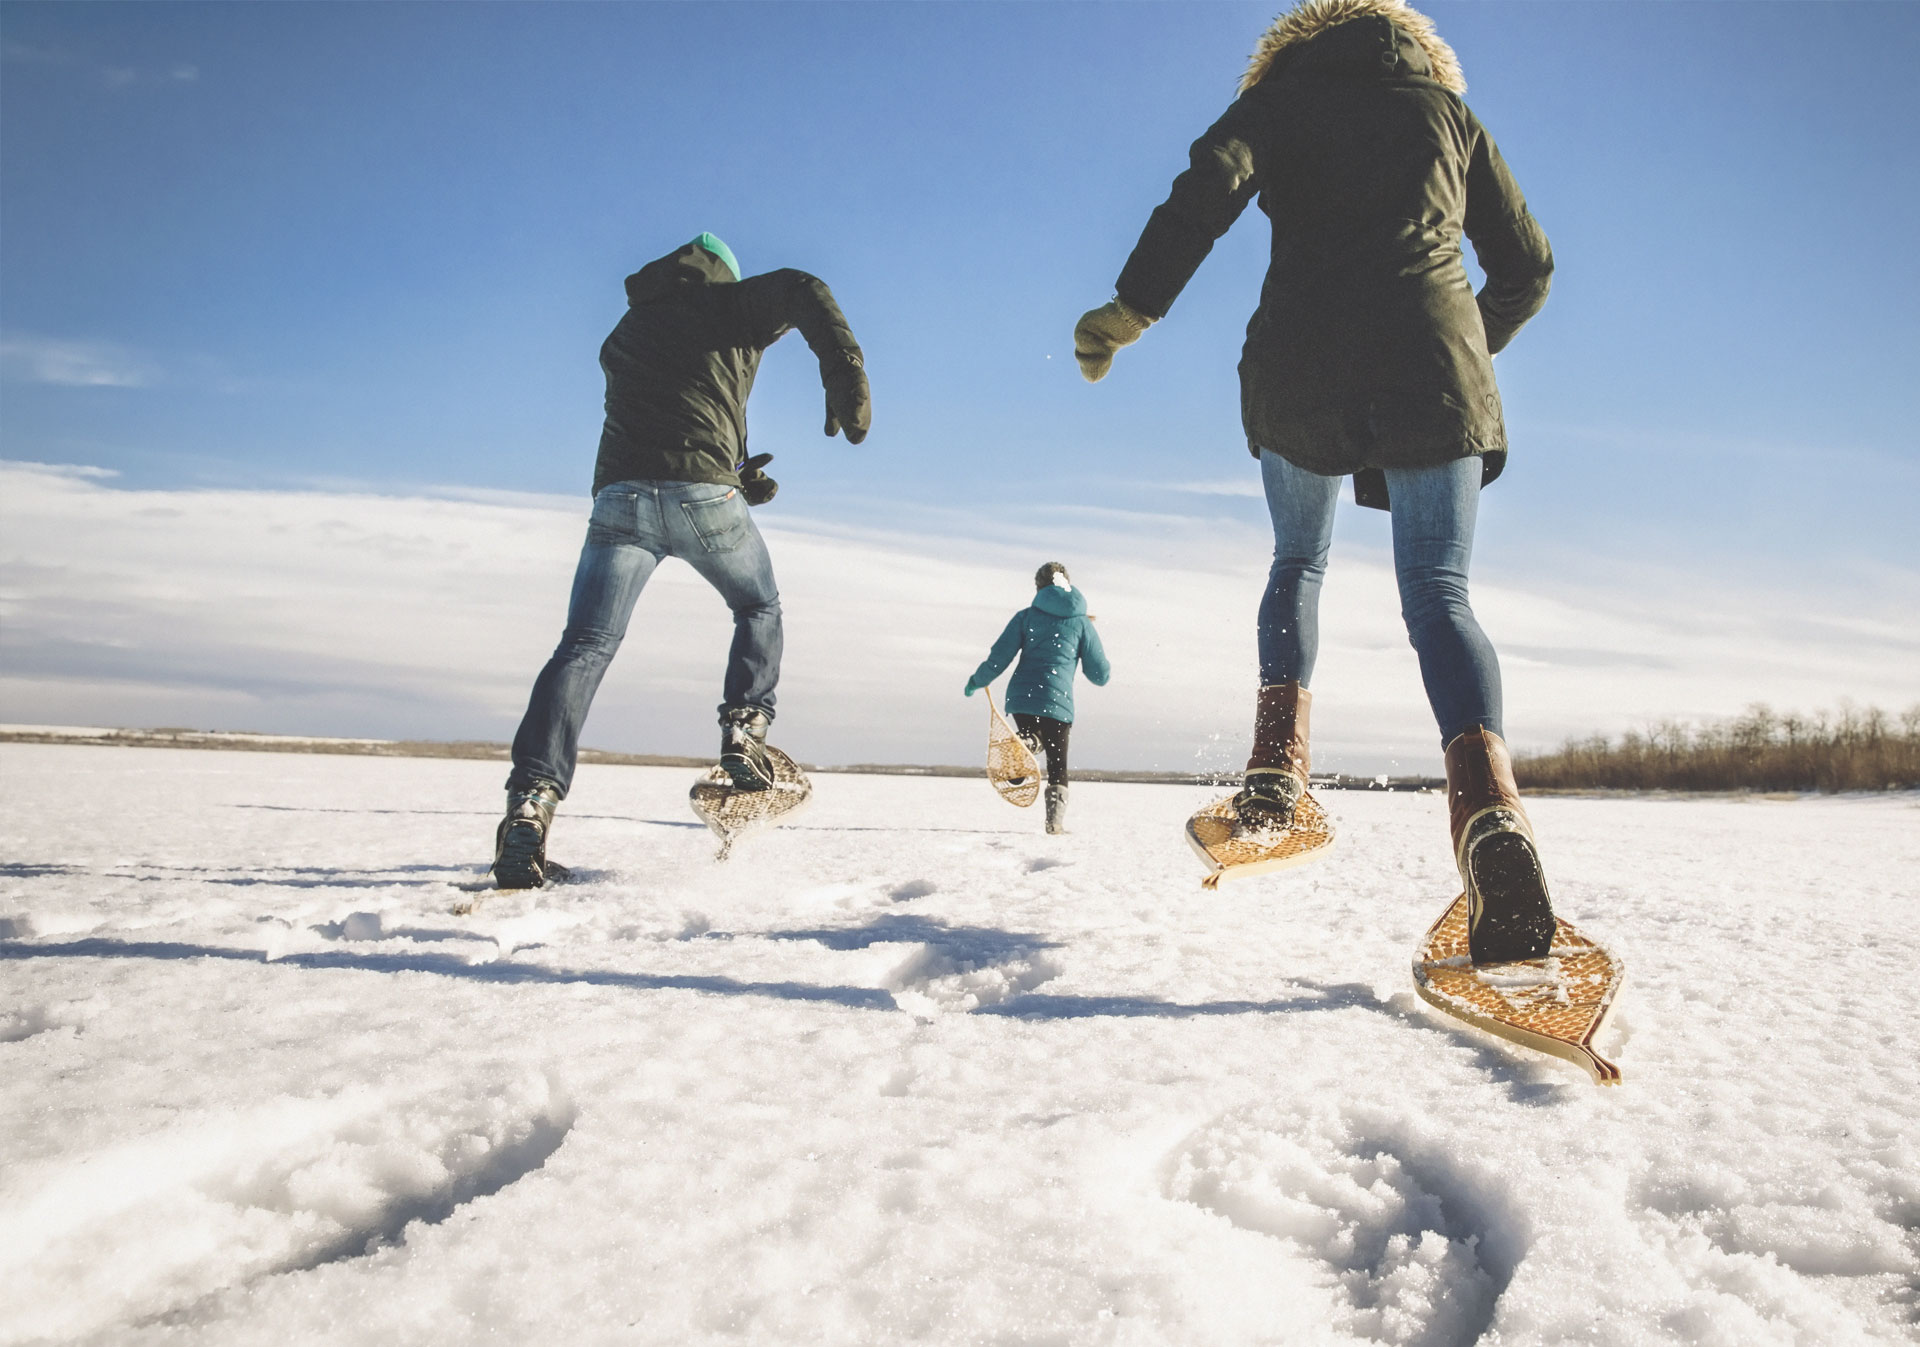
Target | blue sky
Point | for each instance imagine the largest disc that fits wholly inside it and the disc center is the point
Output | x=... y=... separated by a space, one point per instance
x=376 y=247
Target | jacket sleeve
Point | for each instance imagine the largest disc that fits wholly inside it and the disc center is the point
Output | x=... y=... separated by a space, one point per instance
x=1511 y=246
x=1002 y=653
x=775 y=302
x=1204 y=203
x=1093 y=656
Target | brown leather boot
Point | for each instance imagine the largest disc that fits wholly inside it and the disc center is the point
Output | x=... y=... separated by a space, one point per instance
x=1509 y=913
x=1277 y=772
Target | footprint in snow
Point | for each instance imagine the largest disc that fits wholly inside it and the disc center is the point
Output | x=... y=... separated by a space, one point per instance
x=1752 y=1213
x=221 y=1199
x=1404 y=1236
x=945 y=968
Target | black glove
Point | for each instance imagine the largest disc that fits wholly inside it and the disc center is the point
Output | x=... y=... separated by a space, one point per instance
x=755 y=485
x=849 y=400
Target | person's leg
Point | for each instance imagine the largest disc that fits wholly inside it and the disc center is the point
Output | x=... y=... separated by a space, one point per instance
x=1051 y=735
x=615 y=564
x=1029 y=728
x=1434 y=510
x=1301 y=504
x=1509 y=911
x=711 y=529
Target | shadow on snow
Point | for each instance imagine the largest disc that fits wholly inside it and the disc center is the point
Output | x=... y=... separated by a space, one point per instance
x=970 y=945
x=446 y=965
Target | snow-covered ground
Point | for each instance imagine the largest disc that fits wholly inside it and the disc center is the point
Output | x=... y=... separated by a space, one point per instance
x=909 y=1071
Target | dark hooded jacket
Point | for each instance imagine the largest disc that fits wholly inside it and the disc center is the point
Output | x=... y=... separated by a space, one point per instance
x=681 y=363
x=1369 y=349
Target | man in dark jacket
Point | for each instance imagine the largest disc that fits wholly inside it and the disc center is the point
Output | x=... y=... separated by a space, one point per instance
x=674 y=479
x=1369 y=354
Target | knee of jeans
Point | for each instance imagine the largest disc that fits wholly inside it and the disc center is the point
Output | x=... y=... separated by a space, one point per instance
x=1433 y=612
x=1288 y=566
x=758 y=610
x=589 y=643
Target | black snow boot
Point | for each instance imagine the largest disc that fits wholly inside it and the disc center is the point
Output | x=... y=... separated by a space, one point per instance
x=1056 y=809
x=1509 y=911
x=520 y=843
x=743 y=747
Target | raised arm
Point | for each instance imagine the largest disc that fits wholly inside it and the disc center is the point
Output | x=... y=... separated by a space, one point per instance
x=776 y=302
x=1509 y=243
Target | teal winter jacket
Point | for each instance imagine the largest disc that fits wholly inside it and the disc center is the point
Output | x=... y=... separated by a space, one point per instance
x=1050 y=638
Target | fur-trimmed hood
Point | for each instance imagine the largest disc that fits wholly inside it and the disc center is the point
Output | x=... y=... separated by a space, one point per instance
x=1309 y=19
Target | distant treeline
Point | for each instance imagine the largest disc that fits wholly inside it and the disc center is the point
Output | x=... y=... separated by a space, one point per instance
x=1849 y=749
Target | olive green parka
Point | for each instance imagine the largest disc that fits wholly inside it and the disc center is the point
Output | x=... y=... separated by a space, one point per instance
x=1369 y=349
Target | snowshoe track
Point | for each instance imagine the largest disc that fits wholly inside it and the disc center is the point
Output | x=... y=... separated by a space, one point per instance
x=285 y=1187
x=1396 y=1229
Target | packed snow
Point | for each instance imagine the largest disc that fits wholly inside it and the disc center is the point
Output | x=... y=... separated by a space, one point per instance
x=908 y=1070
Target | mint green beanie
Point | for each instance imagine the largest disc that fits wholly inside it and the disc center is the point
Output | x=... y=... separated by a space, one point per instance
x=721 y=251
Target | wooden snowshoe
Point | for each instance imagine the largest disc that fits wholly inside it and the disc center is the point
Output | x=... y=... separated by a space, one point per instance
x=1211 y=834
x=734 y=813
x=1011 y=766
x=1554 y=1005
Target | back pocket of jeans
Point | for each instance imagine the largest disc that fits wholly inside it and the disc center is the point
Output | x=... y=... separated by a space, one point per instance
x=719 y=523
x=616 y=514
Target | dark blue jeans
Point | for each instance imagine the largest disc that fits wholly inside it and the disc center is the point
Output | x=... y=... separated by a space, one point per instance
x=1433 y=516
x=635 y=525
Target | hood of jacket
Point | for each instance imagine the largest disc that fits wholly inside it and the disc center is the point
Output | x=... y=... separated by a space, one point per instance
x=690 y=264
x=1058 y=602
x=1357 y=36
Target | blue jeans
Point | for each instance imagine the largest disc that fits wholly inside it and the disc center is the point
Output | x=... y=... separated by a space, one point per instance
x=1433 y=517
x=635 y=525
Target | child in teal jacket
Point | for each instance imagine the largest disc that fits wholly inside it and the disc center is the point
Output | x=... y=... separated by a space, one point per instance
x=1051 y=638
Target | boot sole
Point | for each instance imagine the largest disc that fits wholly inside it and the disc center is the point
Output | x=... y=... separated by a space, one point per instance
x=1516 y=915
x=522 y=862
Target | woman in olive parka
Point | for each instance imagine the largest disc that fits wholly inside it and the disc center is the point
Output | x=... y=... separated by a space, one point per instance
x=1052 y=638
x=1371 y=355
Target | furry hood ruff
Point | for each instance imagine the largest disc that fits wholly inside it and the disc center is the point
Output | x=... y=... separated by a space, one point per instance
x=1311 y=18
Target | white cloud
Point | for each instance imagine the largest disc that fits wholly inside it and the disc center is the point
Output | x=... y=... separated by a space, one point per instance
x=77 y=364
x=112 y=76
x=23 y=54
x=1234 y=486
x=427 y=615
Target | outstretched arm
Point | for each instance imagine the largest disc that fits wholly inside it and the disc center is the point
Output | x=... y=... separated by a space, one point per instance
x=1204 y=203
x=1000 y=656
x=1509 y=243
x=778 y=301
